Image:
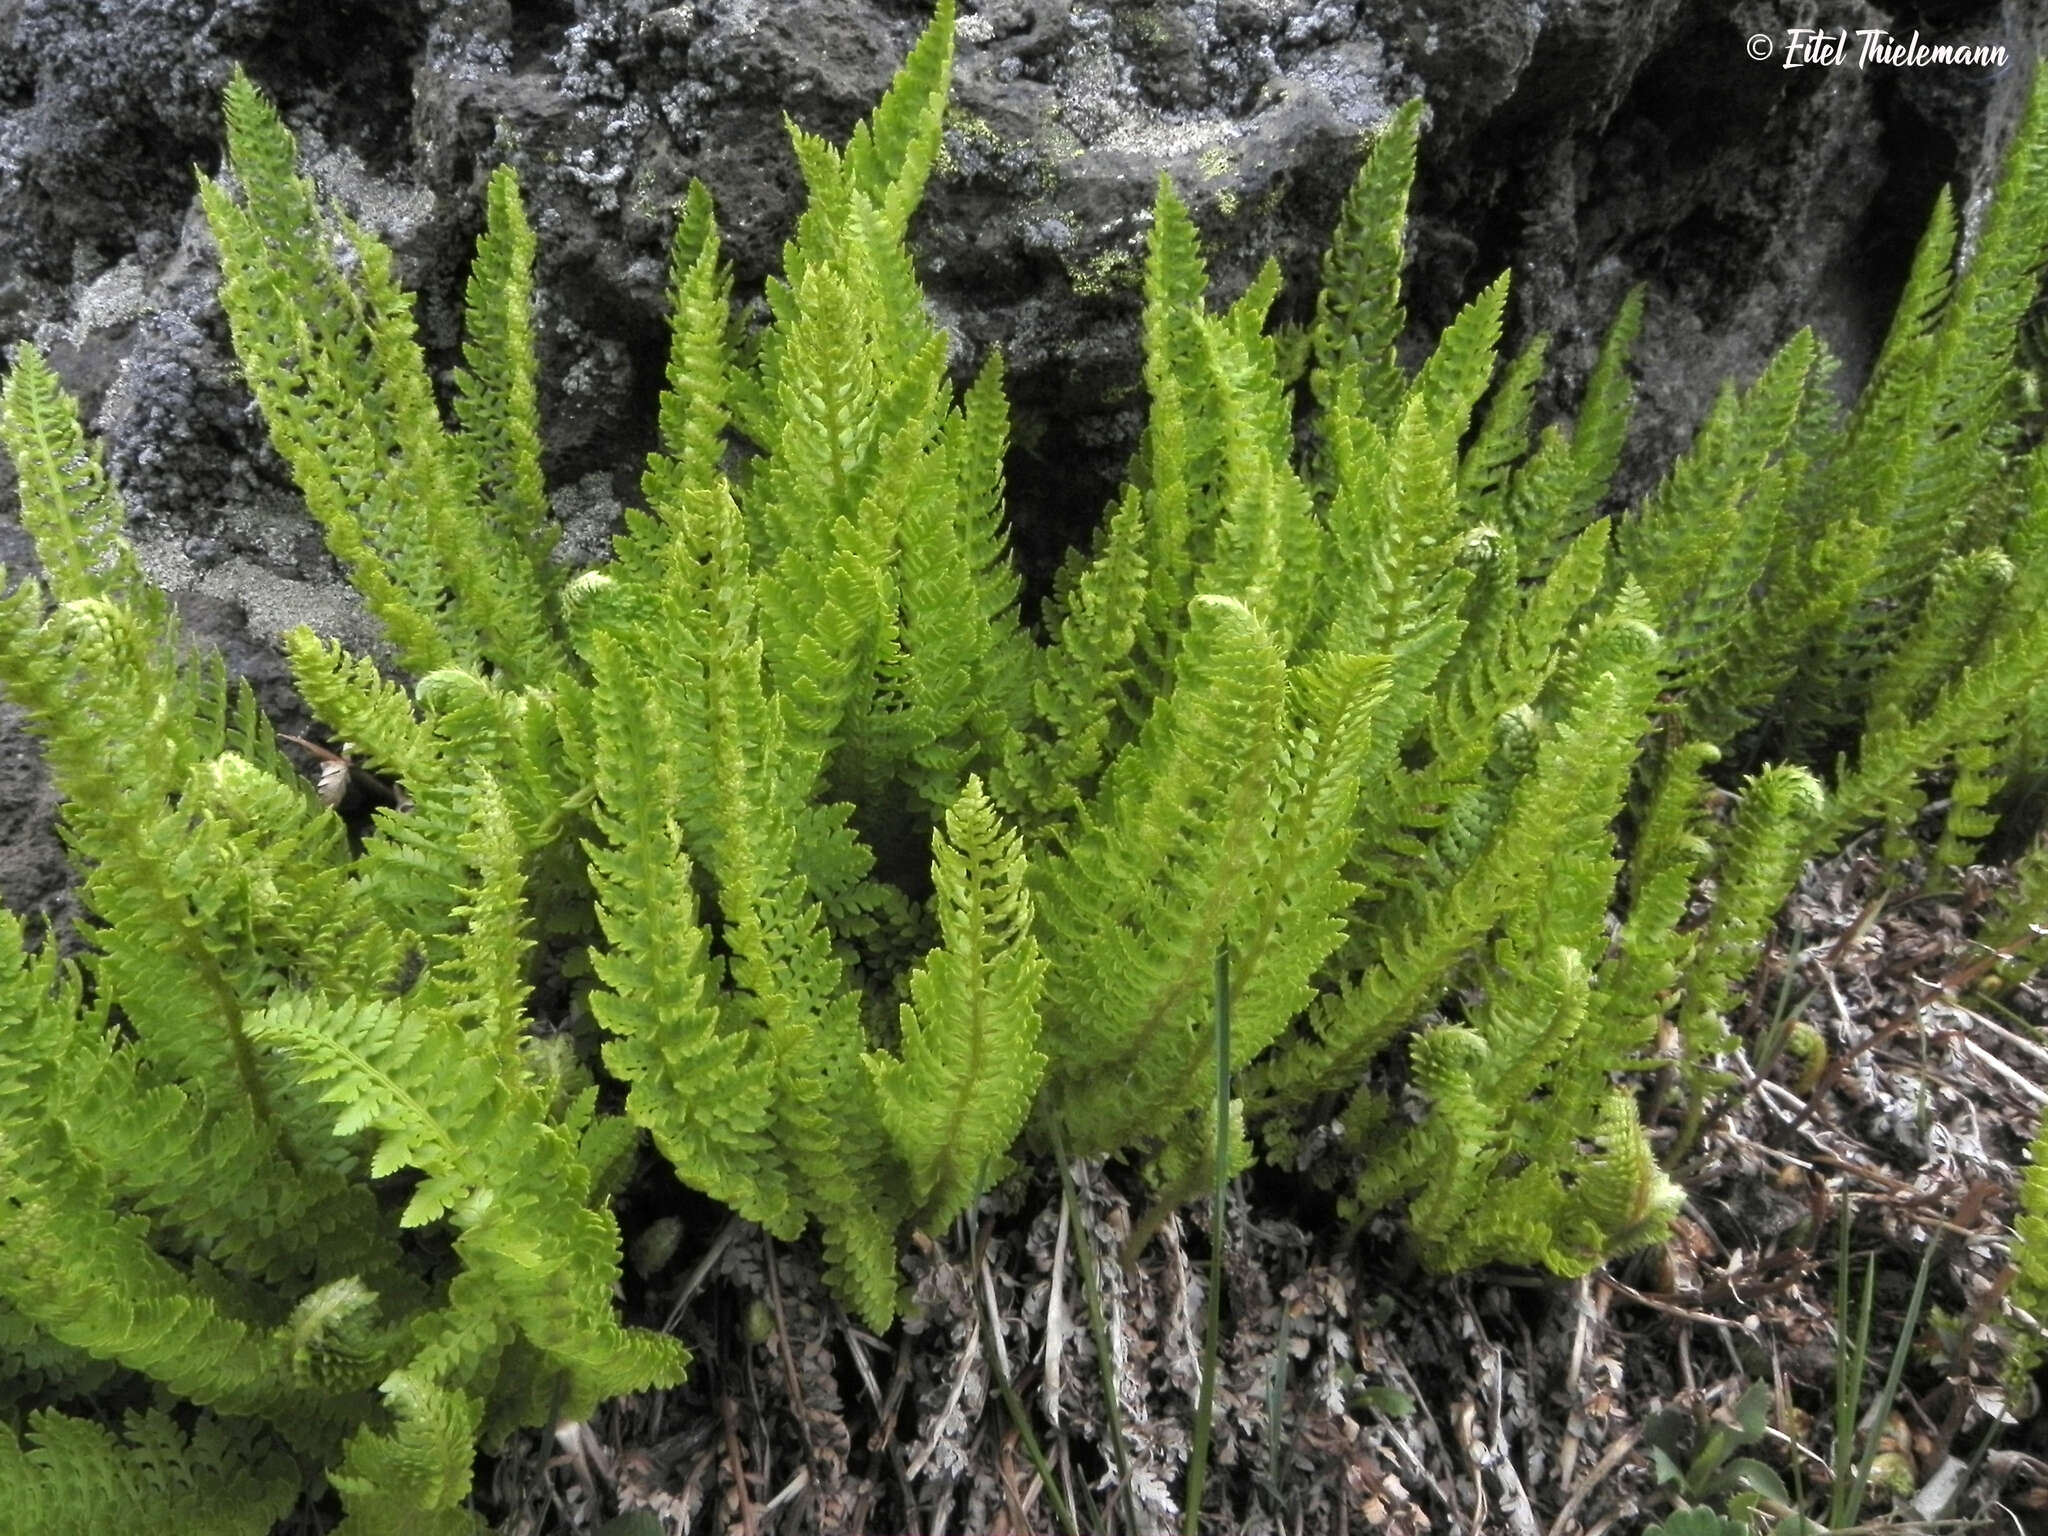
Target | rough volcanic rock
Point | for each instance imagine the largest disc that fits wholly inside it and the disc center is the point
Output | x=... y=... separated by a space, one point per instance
x=1584 y=144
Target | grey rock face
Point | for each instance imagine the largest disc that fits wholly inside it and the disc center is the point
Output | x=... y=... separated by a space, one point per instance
x=1585 y=145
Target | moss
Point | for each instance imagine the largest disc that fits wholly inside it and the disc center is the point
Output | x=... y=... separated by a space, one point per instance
x=1105 y=272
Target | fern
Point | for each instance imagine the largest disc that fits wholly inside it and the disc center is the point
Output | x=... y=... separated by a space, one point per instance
x=861 y=885
x=1134 y=907
x=514 y=1186
x=331 y=358
x=2030 y=1263
x=969 y=1068
x=75 y=1478
x=1358 y=314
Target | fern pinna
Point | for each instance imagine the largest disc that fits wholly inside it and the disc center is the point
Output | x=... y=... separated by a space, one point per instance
x=864 y=883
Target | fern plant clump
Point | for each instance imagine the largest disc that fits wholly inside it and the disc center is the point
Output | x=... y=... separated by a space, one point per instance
x=865 y=886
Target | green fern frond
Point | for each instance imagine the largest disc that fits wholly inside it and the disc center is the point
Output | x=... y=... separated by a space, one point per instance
x=92 y=1279
x=1502 y=441
x=513 y=1184
x=1294 y=918
x=305 y=335
x=1961 y=449
x=415 y=1478
x=1359 y=316
x=338 y=1341
x=1394 y=531
x=1458 y=371
x=969 y=1067
x=76 y=1477
x=497 y=405
x=1132 y=910
x=890 y=155
x=1635 y=986
x=68 y=505
x=1755 y=872
x=483 y=985
x=1966 y=592
x=967 y=663
x=1558 y=813
x=331 y=356
x=1601 y=427
x=700 y=1087
x=222 y=1191
x=1179 y=465
x=1701 y=542
x=787 y=979
x=1268 y=550
x=372 y=714
x=2030 y=1262
x=1619 y=1200
x=695 y=403
x=1077 y=723
x=1550 y=497
x=1981 y=772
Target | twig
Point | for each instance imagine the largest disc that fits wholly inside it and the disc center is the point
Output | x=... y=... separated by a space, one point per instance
x=695 y=1280
x=1705 y=1319
x=788 y=1355
x=2014 y=1080
x=1609 y=1460
x=1568 y=1451
x=899 y=1384
x=1056 y=1321
x=931 y=1445
x=1855 y=930
x=2018 y=1042
x=883 y=1443
x=788 y=1491
x=731 y=1411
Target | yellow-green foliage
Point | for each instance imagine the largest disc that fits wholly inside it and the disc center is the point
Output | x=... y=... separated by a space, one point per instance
x=2030 y=1263
x=865 y=884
